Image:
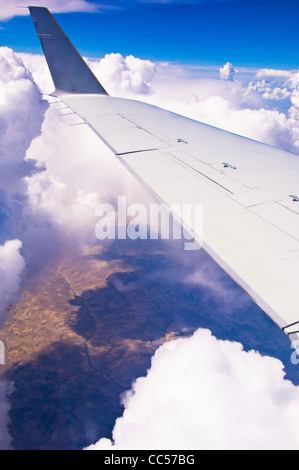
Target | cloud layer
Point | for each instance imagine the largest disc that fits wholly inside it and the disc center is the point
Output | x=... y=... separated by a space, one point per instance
x=201 y=393
x=263 y=107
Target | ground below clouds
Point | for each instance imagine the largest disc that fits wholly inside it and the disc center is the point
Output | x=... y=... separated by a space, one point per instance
x=88 y=325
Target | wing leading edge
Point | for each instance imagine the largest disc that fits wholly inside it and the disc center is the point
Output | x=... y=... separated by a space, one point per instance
x=248 y=189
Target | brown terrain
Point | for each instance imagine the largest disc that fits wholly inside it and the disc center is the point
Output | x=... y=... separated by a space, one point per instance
x=88 y=324
x=83 y=330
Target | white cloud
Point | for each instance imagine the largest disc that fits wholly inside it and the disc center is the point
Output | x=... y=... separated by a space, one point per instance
x=79 y=174
x=8 y=8
x=39 y=71
x=277 y=94
x=273 y=74
x=21 y=115
x=207 y=276
x=227 y=72
x=201 y=393
x=294 y=120
x=270 y=91
x=293 y=83
x=12 y=265
x=262 y=124
x=256 y=109
x=123 y=76
x=295 y=99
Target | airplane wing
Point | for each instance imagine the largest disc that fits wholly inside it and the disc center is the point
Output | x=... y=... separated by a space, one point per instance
x=249 y=190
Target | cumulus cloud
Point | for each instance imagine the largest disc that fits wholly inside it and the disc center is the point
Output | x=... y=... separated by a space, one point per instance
x=270 y=91
x=82 y=172
x=21 y=112
x=202 y=393
x=227 y=72
x=39 y=71
x=123 y=76
x=21 y=115
x=262 y=124
x=77 y=176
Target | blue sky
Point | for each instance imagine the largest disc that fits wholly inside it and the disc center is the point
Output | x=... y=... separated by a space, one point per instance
x=244 y=32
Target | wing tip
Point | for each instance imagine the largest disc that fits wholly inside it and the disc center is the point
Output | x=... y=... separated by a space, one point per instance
x=36 y=7
x=69 y=71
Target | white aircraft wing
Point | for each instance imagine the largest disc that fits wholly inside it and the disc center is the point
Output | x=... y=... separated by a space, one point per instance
x=249 y=190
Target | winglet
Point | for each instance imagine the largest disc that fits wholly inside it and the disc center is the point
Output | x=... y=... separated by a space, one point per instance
x=69 y=71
